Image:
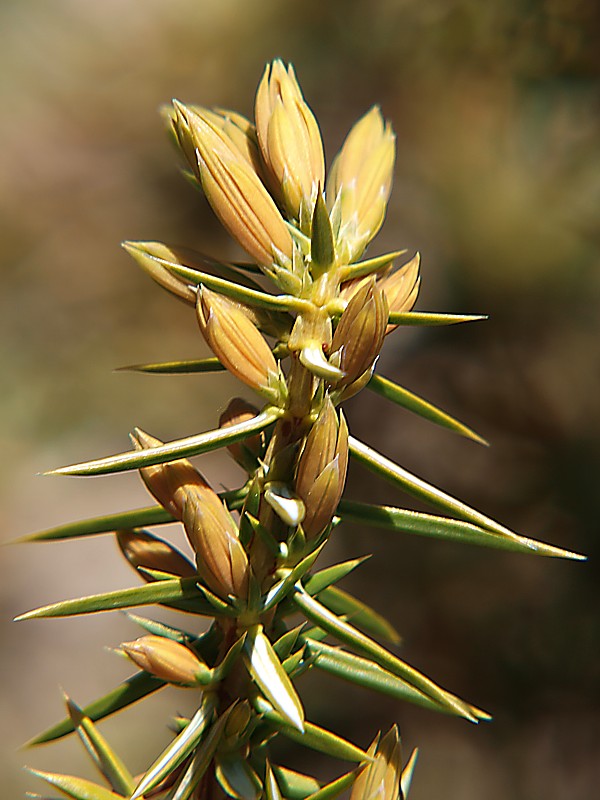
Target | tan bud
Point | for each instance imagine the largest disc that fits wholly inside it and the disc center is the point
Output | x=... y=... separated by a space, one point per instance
x=248 y=450
x=360 y=332
x=166 y=659
x=360 y=181
x=401 y=288
x=234 y=189
x=322 y=467
x=166 y=481
x=380 y=779
x=220 y=558
x=143 y=550
x=289 y=139
x=237 y=342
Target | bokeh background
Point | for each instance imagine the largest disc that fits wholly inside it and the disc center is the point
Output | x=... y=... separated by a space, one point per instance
x=496 y=108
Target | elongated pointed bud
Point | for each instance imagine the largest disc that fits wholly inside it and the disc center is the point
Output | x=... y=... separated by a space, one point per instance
x=167 y=659
x=401 y=288
x=248 y=451
x=143 y=550
x=359 y=183
x=220 y=558
x=237 y=343
x=380 y=779
x=166 y=482
x=234 y=189
x=322 y=467
x=289 y=139
x=360 y=332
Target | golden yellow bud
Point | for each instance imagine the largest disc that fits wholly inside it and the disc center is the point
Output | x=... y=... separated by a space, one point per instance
x=166 y=659
x=359 y=335
x=248 y=450
x=235 y=190
x=165 y=482
x=289 y=139
x=237 y=342
x=360 y=181
x=322 y=466
x=401 y=288
x=380 y=779
x=220 y=558
x=143 y=550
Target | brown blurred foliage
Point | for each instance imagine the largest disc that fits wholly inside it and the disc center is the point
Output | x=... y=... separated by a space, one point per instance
x=496 y=110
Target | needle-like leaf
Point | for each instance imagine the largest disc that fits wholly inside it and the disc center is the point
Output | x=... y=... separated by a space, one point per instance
x=359 y=613
x=316 y=738
x=427 y=318
x=319 y=615
x=211 y=364
x=402 y=397
x=109 y=523
x=403 y=520
x=294 y=785
x=365 y=673
x=369 y=265
x=181 y=448
x=130 y=691
x=326 y=577
x=230 y=288
x=179 y=748
x=266 y=670
x=77 y=788
x=172 y=592
x=102 y=754
x=419 y=488
x=335 y=788
x=201 y=759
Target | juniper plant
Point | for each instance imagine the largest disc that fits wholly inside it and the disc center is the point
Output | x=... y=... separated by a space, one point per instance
x=304 y=350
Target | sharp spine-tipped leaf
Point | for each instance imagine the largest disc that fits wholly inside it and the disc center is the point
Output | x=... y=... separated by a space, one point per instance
x=326 y=577
x=141 y=517
x=178 y=750
x=404 y=520
x=370 y=265
x=268 y=673
x=281 y=589
x=172 y=451
x=427 y=318
x=365 y=673
x=173 y=592
x=334 y=788
x=76 y=788
x=130 y=691
x=177 y=367
x=230 y=288
x=359 y=613
x=294 y=785
x=346 y=633
x=314 y=737
x=402 y=397
x=201 y=760
x=103 y=756
x=419 y=488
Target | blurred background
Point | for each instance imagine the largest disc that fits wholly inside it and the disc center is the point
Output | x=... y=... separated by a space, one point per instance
x=496 y=109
